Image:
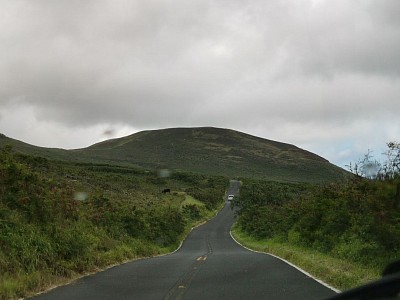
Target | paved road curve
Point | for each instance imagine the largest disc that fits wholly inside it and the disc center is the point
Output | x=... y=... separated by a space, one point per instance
x=209 y=265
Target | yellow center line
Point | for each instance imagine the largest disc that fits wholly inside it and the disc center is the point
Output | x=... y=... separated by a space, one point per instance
x=203 y=258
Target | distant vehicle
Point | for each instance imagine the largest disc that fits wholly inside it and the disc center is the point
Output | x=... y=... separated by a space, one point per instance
x=230 y=197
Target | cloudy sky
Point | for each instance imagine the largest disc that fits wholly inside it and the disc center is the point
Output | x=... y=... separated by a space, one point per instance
x=321 y=74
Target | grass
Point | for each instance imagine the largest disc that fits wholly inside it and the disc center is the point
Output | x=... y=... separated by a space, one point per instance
x=190 y=200
x=13 y=286
x=205 y=214
x=338 y=273
x=48 y=238
x=202 y=150
x=28 y=284
x=17 y=285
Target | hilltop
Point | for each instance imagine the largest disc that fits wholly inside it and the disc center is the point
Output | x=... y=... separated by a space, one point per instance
x=204 y=150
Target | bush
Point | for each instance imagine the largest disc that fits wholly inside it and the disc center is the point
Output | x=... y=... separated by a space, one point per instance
x=191 y=211
x=358 y=221
x=45 y=231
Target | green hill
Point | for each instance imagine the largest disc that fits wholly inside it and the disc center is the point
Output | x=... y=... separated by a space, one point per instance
x=25 y=148
x=203 y=150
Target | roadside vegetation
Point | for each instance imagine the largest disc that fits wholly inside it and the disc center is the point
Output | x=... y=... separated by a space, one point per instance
x=60 y=220
x=353 y=225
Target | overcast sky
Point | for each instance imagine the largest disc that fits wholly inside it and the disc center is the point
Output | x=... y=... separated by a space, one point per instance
x=321 y=74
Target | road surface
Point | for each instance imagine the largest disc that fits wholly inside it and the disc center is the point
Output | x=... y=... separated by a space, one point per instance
x=209 y=265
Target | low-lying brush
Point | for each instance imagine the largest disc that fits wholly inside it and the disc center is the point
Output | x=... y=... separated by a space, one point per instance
x=338 y=273
x=356 y=221
x=60 y=220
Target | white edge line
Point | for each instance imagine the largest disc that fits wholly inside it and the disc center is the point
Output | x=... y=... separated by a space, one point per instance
x=289 y=263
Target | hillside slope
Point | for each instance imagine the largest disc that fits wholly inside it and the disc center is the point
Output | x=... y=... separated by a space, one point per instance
x=25 y=148
x=207 y=150
x=217 y=151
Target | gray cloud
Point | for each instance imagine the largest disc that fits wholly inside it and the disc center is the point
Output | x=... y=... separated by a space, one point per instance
x=296 y=71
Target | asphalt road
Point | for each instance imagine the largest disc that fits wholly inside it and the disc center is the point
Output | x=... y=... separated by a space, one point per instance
x=209 y=265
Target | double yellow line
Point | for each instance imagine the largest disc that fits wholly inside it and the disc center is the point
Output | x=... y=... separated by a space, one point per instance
x=203 y=258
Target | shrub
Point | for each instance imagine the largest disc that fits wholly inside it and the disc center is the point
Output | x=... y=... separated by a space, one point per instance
x=358 y=221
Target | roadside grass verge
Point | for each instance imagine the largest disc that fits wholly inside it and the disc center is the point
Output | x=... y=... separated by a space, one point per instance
x=338 y=273
x=190 y=200
x=50 y=234
x=26 y=284
x=204 y=214
x=22 y=284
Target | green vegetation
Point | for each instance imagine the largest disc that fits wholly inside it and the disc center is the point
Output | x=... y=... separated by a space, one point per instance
x=201 y=150
x=64 y=213
x=339 y=273
x=59 y=220
x=357 y=222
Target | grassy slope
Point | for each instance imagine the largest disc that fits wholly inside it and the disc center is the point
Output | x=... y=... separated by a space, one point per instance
x=338 y=273
x=99 y=222
x=218 y=151
x=344 y=233
x=204 y=150
x=24 y=148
